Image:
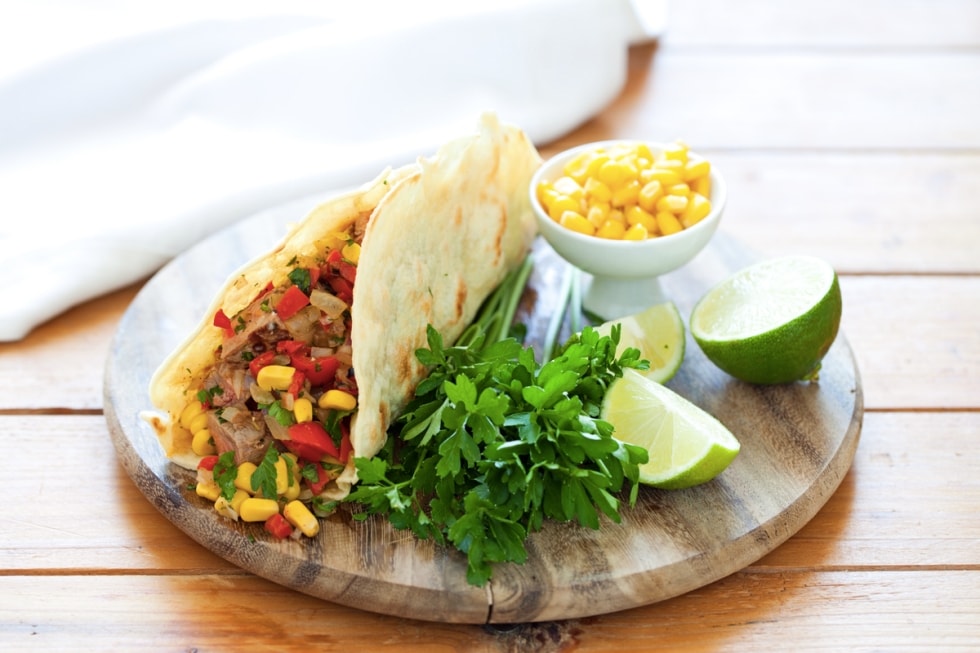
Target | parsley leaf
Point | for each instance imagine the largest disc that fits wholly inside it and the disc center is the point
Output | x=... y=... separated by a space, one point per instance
x=264 y=476
x=225 y=472
x=301 y=278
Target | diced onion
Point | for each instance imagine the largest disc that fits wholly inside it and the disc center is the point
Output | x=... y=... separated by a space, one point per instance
x=331 y=305
x=259 y=395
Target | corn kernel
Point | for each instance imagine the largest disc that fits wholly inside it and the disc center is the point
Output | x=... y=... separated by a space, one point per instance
x=611 y=229
x=292 y=492
x=636 y=232
x=696 y=169
x=702 y=186
x=351 y=252
x=237 y=498
x=697 y=209
x=597 y=191
x=275 y=377
x=672 y=203
x=300 y=517
x=561 y=204
x=643 y=151
x=578 y=167
x=675 y=152
x=569 y=188
x=282 y=475
x=626 y=194
x=547 y=195
x=681 y=189
x=253 y=509
x=303 y=409
x=337 y=400
x=243 y=477
x=199 y=422
x=202 y=444
x=577 y=222
x=598 y=213
x=636 y=215
x=665 y=176
x=668 y=223
x=674 y=165
x=615 y=173
x=209 y=490
x=648 y=196
x=190 y=411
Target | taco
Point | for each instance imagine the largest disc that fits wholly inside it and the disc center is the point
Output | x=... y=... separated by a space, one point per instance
x=309 y=350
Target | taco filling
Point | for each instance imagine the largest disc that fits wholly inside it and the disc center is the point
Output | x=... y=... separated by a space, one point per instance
x=283 y=380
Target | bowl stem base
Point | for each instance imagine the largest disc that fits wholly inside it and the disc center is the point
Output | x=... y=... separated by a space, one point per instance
x=611 y=298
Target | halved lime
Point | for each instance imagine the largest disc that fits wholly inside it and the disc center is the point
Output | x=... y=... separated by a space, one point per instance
x=687 y=446
x=771 y=322
x=658 y=332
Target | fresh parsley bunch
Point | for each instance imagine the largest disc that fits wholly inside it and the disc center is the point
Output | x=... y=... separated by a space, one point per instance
x=493 y=443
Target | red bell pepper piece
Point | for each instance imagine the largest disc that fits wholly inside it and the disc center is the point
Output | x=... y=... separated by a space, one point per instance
x=222 y=321
x=310 y=441
x=278 y=526
x=322 y=478
x=314 y=277
x=320 y=371
x=208 y=463
x=297 y=384
x=290 y=347
x=260 y=361
x=291 y=302
x=342 y=288
x=348 y=271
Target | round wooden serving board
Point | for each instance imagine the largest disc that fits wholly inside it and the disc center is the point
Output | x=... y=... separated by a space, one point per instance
x=798 y=442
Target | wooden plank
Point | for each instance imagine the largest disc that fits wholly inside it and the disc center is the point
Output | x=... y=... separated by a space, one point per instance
x=864 y=212
x=930 y=357
x=910 y=500
x=829 y=611
x=824 y=24
x=823 y=101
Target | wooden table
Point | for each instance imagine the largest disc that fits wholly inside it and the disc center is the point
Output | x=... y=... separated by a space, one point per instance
x=846 y=130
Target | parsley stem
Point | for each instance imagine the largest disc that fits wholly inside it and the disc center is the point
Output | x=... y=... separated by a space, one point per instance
x=516 y=291
x=558 y=314
x=576 y=300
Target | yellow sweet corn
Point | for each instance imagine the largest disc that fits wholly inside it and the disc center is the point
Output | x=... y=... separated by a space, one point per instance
x=282 y=476
x=255 y=509
x=351 y=252
x=577 y=222
x=697 y=209
x=300 y=517
x=190 y=411
x=608 y=191
x=611 y=229
x=243 y=478
x=275 y=377
x=237 y=498
x=208 y=489
x=668 y=223
x=636 y=232
x=202 y=444
x=303 y=409
x=198 y=422
x=337 y=400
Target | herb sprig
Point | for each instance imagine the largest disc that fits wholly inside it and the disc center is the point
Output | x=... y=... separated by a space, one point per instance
x=494 y=443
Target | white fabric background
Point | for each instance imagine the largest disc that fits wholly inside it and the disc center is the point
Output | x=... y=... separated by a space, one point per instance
x=129 y=130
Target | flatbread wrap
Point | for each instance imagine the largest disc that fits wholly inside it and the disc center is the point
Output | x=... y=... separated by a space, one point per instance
x=308 y=352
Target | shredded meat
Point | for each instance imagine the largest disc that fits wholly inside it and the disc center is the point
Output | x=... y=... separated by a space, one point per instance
x=245 y=434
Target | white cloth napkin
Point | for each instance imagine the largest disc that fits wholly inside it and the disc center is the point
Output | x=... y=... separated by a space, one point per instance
x=130 y=131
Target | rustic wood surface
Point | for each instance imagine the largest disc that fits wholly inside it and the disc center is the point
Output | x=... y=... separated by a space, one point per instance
x=846 y=130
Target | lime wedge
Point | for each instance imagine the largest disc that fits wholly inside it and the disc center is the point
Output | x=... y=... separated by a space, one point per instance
x=687 y=446
x=771 y=322
x=658 y=332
